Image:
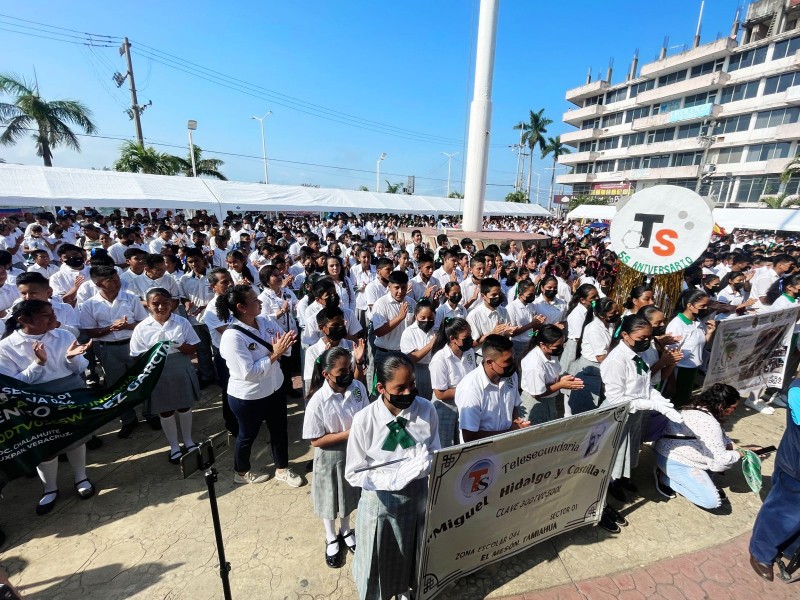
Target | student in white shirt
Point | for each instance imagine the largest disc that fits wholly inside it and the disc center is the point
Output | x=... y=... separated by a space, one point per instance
x=452 y=358
x=450 y=306
x=8 y=293
x=488 y=398
x=379 y=287
x=577 y=316
x=155 y=275
x=417 y=342
x=523 y=318
x=33 y=286
x=423 y=284
x=690 y=324
x=49 y=360
x=471 y=286
x=548 y=304
x=333 y=332
x=41 y=264
x=362 y=274
x=490 y=318
x=196 y=294
x=323 y=289
x=659 y=358
x=252 y=345
x=781 y=264
x=449 y=270
x=594 y=344
x=543 y=378
x=392 y=313
x=639 y=297
x=344 y=286
x=73 y=272
x=733 y=293
x=177 y=388
x=399 y=425
x=335 y=396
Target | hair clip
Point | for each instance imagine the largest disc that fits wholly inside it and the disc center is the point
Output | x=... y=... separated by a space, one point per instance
x=617 y=331
x=594 y=303
x=317 y=360
x=780 y=284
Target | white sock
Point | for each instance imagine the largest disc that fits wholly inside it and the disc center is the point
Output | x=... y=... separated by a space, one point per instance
x=170 y=427
x=186 y=427
x=48 y=473
x=77 y=460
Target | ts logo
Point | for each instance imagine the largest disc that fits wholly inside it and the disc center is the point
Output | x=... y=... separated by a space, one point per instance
x=478 y=477
x=663 y=245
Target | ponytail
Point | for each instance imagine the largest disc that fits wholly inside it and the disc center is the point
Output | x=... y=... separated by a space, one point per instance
x=325 y=362
x=225 y=305
x=26 y=308
x=450 y=327
x=547 y=334
x=629 y=324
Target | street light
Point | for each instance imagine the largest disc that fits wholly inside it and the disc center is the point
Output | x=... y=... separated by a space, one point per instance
x=449 y=158
x=378 y=172
x=263 y=143
x=192 y=125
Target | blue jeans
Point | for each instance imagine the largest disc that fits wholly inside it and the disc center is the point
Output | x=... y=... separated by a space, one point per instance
x=690 y=482
x=778 y=521
x=250 y=414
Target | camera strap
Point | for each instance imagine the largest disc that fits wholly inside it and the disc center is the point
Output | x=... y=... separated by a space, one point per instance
x=253 y=336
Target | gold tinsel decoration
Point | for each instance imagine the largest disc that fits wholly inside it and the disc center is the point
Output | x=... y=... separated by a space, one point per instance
x=666 y=288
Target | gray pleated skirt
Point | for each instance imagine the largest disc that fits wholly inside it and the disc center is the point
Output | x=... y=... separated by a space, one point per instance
x=539 y=410
x=331 y=496
x=177 y=388
x=567 y=359
x=422 y=373
x=448 y=423
x=388 y=529
x=628 y=452
x=587 y=398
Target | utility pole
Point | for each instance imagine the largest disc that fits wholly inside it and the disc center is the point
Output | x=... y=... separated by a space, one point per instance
x=449 y=158
x=126 y=50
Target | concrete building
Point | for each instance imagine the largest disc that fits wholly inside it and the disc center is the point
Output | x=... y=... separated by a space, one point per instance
x=722 y=117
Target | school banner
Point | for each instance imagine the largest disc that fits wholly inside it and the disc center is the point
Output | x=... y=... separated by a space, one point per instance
x=493 y=498
x=751 y=351
x=35 y=426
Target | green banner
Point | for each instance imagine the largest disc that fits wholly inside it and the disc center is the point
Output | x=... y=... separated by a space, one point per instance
x=35 y=426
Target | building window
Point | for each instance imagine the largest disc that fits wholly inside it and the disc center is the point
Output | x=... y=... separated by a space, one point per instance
x=793 y=186
x=612 y=119
x=661 y=135
x=617 y=95
x=642 y=87
x=761 y=152
x=590 y=124
x=700 y=99
x=689 y=131
x=686 y=159
x=756 y=56
x=637 y=113
x=628 y=164
x=779 y=116
x=666 y=107
x=589 y=146
x=657 y=161
x=781 y=83
x=706 y=68
x=786 y=48
x=733 y=124
x=671 y=78
x=742 y=91
x=633 y=139
x=593 y=101
x=608 y=143
x=752 y=188
x=604 y=166
x=584 y=168
x=725 y=156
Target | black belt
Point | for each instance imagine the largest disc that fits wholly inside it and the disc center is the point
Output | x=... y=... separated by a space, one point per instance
x=117 y=343
x=381 y=349
x=679 y=437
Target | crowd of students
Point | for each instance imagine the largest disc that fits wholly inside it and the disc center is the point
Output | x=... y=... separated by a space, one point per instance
x=403 y=348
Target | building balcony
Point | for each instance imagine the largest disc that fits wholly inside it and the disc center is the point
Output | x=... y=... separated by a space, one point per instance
x=570 y=178
x=577 y=116
x=684 y=145
x=581 y=135
x=578 y=157
x=790 y=131
x=660 y=174
x=682 y=116
x=696 y=56
x=683 y=88
x=579 y=94
x=767 y=69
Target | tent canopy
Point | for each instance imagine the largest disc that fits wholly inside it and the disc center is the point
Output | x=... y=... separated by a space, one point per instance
x=23 y=185
x=776 y=219
x=592 y=211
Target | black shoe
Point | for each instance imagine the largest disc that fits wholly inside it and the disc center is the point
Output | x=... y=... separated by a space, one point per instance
x=607 y=523
x=616 y=492
x=335 y=561
x=661 y=487
x=155 y=423
x=204 y=383
x=615 y=515
x=349 y=536
x=92 y=381
x=43 y=509
x=94 y=443
x=2 y=538
x=627 y=485
x=126 y=430
x=85 y=495
x=175 y=457
x=310 y=466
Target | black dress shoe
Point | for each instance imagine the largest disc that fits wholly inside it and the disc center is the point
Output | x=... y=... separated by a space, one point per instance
x=43 y=509
x=126 y=430
x=349 y=536
x=616 y=492
x=764 y=571
x=627 y=485
x=155 y=423
x=335 y=561
x=94 y=443
x=615 y=515
x=86 y=494
x=608 y=523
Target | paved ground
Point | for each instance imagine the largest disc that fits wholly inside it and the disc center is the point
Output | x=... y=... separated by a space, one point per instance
x=147 y=534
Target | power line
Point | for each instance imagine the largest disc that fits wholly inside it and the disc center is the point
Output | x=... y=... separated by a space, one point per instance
x=85 y=43
x=61 y=28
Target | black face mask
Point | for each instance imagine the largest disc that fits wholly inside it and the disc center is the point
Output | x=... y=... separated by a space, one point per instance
x=526 y=301
x=695 y=281
x=641 y=345
x=714 y=289
x=344 y=381
x=509 y=370
x=454 y=298
x=337 y=333
x=557 y=351
x=75 y=262
x=737 y=286
x=332 y=301
x=613 y=318
x=550 y=294
x=466 y=344
x=310 y=268
x=495 y=302
x=703 y=312
x=426 y=326
x=402 y=401
x=659 y=331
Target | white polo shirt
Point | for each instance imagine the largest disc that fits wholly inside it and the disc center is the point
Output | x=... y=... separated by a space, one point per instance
x=553 y=312
x=445 y=310
x=210 y=319
x=413 y=338
x=484 y=319
x=539 y=372
x=575 y=321
x=311 y=332
x=177 y=329
x=253 y=374
x=317 y=350
x=520 y=315
x=361 y=279
x=596 y=340
x=485 y=406
x=386 y=309
x=447 y=370
x=331 y=412
x=99 y=312
x=693 y=342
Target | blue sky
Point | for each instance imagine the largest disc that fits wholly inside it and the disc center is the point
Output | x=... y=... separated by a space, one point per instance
x=404 y=64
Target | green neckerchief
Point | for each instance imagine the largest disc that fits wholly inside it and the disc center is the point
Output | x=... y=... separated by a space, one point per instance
x=398 y=436
x=789 y=298
x=684 y=318
x=641 y=366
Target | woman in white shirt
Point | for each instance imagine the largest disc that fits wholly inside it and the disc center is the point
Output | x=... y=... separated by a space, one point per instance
x=335 y=398
x=177 y=388
x=639 y=297
x=733 y=293
x=542 y=377
x=594 y=344
x=280 y=304
x=417 y=342
x=450 y=306
x=252 y=346
x=689 y=451
x=344 y=285
x=658 y=357
x=577 y=314
x=49 y=360
x=694 y=333
x=453 y=357
x=548 y=304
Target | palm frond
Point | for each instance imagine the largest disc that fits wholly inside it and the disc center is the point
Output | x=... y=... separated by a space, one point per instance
x=16 y=127
x=15 y=85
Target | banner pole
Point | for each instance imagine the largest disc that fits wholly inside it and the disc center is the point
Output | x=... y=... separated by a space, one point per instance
x=224 y=566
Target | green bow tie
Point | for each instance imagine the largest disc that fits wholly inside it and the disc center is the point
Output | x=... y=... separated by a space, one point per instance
x=641 y=366
x=398 y=436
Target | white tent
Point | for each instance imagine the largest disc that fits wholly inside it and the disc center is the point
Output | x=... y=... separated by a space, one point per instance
x=23 y=185
x=783 y=219
x=592 y=211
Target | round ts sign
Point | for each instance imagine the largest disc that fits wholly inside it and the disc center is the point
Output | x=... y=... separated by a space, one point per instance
x=661 y=229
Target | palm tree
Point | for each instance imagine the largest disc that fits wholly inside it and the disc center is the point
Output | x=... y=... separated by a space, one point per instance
x=48 y=120
x=362 y=188
x=557 y=148
x=139 y=159
x=393 y=188
x=791 y=169
x=204 y=166
x=456 y=194
x=533 y=135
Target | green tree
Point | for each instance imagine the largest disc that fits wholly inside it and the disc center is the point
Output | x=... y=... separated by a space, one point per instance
x=518 y=196
x=557 y=148
x=140 y=159
x=532 y=136
x=205 y=166
x=393 y=188
x=455 y=194
x=362 y=188
x=48 y=120
x=577 y=201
